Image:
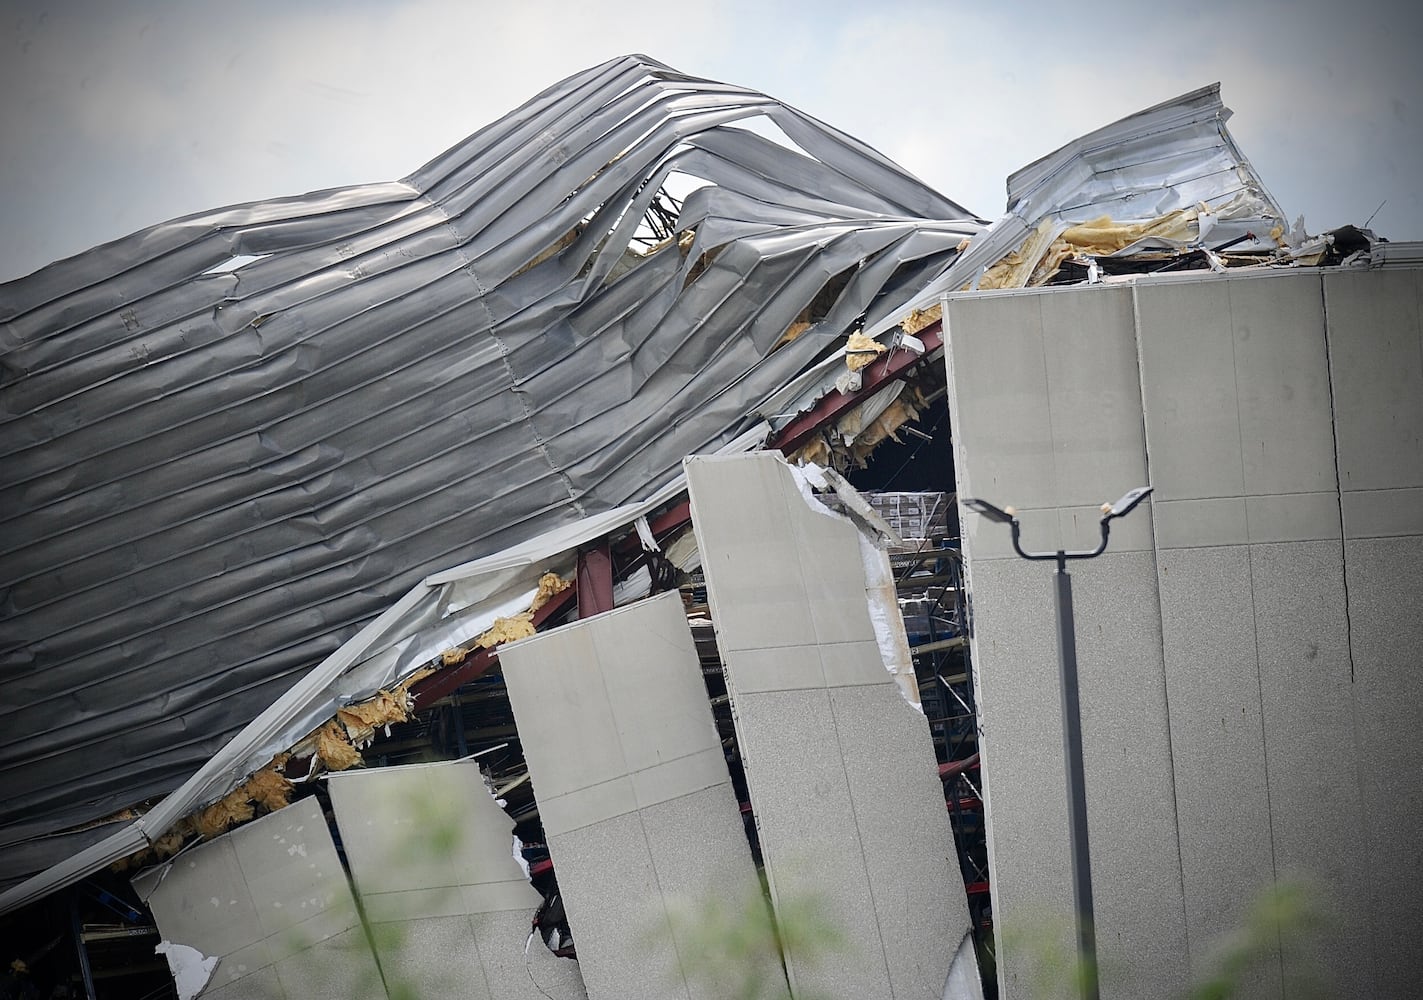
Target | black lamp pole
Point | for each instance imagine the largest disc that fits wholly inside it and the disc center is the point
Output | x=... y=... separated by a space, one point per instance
x=1071 y=718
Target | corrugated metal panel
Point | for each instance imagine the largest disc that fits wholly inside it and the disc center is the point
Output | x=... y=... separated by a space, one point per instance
x=1170 y=157
x=213 y=478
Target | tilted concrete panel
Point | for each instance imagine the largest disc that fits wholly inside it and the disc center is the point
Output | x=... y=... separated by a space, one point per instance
x=635 y=798
x=431 y=855
x=271 y=901
x=840 y=768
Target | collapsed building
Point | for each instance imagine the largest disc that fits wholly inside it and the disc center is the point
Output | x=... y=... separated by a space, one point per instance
x=411 y=474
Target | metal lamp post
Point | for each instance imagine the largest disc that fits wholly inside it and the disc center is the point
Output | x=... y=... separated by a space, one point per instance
x=1071 y=717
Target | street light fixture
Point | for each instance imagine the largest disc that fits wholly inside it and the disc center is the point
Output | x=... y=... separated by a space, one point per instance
x=1071 y=715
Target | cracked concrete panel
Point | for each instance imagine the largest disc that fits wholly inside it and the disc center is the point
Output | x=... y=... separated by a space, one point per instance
x=271 y=901
x=1375 y=324
x=838 y=764
x=1302 y=639
x=635 y=797
x=1375 y=327
x=431 y=854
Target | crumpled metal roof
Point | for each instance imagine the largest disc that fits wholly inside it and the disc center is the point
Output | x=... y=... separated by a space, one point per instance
x=217 y=470
x=1171 y=157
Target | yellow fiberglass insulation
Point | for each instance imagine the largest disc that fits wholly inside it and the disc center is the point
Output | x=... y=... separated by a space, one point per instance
x=269 y=787
x=335 y=750
x=919 y=319
x=885 y=425
x=362 y=720
x=233 y=808
x=860 y=351
x=549 y=584
x=519 y=626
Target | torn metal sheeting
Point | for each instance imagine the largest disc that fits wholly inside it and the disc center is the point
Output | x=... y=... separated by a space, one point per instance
x=212 y=479
x=1117 y=172
x=1172 y=157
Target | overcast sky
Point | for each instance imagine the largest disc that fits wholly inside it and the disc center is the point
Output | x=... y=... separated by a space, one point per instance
x=118 y=115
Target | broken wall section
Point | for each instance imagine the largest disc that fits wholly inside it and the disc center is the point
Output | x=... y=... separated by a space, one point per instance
x=841 y=768
x=271 y=903
x=636 y=802
x=433 y=858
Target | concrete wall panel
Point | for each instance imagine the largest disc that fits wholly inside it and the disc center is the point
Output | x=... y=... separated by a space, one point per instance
x=634 y=794
x=1187 y=349
x=431 y=854
x=1281 y=385
x=271 y=901
x=1316 y=807
x=1128 y=761
x=1131 y=813
x=1008 y=416
x=1095 y=399
x=1289 y=697
x=1375 y=327
x=808 y=833
x=840 y=768
x=1385 y=581
x=1096 y=447
x=1058 y=425
x=1218 y=741
x=1376 y=363
x=1026 y=812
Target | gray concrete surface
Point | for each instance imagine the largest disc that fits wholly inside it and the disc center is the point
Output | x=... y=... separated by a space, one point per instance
x=271 y=901
x=840 y=768
x=431 y=855
x=1280 y=420
x=635 y=798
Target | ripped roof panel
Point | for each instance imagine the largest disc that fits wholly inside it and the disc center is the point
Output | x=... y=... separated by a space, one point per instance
x=217 y=470
x=1173 y=156
x=1176 y=159
x=242 y=449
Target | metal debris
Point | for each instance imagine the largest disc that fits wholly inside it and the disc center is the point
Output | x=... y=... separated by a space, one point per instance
x=213 y=476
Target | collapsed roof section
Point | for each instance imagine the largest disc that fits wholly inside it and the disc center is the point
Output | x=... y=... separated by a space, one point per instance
x=233 y=440
x=1163 y=188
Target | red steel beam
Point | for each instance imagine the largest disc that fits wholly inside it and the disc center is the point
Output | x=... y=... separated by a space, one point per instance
x=954 y=767
x=480 y=662
x=829 y=408
x=595 y=580
x=890 y=366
